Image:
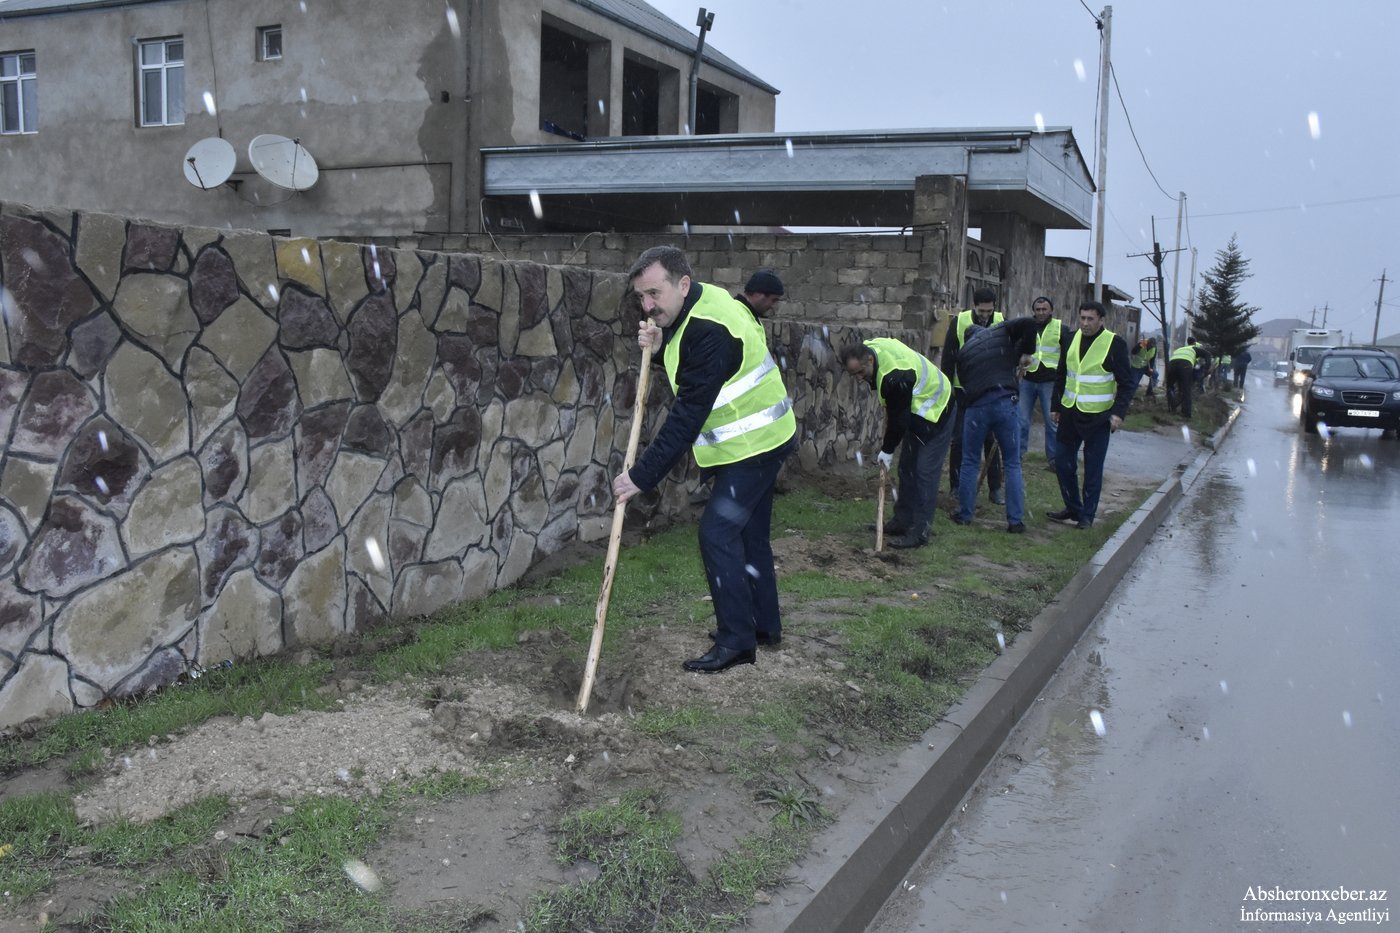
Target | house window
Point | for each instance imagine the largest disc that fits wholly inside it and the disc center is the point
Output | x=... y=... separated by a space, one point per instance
x=163 y=82
x=269 y=43
x=19 y=94
x=715 y=111
x=641 y=99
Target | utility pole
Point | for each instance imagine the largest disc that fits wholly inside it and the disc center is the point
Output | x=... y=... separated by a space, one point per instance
x=1191 y=293
x=1312 y=318
x=1101 y=176
x=1325 y=308
x=1376 y=330
x=1176 y=260
x=1159 y=292
x=706 y=22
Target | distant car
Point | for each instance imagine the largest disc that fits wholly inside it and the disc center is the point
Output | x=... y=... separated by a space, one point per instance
x=1355 y=388
x=1281 y=371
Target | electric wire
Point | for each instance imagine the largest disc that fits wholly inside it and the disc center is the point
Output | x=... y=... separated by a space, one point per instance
x=1304 y=207
x=1122 y=103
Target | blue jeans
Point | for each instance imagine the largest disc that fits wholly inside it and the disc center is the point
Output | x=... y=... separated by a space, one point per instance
x=1029 y=394
x=998 y=418
x=737 y=553
x=921 y=459
x=1094 y=439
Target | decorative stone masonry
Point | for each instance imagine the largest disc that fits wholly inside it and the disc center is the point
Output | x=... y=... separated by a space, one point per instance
x=220 y=444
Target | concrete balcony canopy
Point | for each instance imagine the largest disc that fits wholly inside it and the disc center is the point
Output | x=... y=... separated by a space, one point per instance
x=855 y=179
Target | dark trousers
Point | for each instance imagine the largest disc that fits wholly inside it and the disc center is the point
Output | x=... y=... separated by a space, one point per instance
x=735 y=547
x=955 y=458
x=1093 y=436
x=1179 y=378
x=1239 y=374
x=921 y=457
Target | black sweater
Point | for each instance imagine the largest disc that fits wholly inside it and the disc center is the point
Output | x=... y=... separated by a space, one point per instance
x=988 y=358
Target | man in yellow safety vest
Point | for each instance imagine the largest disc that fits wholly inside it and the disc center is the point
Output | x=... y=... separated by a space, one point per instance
x=919 y=418
x=733 y=412
x=1038 y=383
x=1092 y=394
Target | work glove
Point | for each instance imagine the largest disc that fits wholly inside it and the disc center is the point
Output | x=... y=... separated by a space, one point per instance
x=885 y=460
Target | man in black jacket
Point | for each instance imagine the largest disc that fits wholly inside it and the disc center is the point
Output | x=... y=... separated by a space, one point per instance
x=1038 y=383
x=983 y=313
x=732 y=410
x=1092 y=393
x=761 y=293
x=919 y=414
x=986 y=365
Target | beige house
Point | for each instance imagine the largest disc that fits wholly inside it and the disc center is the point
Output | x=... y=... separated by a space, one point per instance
x=101 y=100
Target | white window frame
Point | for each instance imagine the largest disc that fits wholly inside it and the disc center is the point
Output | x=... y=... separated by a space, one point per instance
x=264 y=55
x=167 y=71
x=23 y=88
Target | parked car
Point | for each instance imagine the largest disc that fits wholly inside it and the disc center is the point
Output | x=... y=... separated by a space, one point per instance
x=1353 y=387
x=1280 y=371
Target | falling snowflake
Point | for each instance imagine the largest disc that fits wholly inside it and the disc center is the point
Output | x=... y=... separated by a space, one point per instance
x=376 y=556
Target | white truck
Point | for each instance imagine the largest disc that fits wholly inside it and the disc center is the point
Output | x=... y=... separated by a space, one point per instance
x=1305 y=345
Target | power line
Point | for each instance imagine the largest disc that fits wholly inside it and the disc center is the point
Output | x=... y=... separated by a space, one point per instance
x=1126 y=116
x=1303 y=207
x=1091 y=13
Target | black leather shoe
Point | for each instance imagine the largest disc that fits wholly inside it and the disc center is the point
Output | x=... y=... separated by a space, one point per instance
x=997 y=497
x=765 y=639
x=890 y=528
x=1016 y=529
x=719 y=659
x=959 y=520
x=908 y=541
x=1064 y=515
x=1084 y=523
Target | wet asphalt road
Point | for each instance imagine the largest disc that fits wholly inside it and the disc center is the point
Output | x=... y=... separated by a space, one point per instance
x=1247 y=676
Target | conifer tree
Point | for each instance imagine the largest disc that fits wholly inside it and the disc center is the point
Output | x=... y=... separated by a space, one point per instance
x=1223 y=323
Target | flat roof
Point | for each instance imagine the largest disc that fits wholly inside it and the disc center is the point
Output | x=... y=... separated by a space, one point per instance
x=849 y=179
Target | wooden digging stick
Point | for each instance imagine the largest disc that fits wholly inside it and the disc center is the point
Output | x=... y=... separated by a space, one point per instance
x=986 y=465
x=595 y=647
x=880 y=512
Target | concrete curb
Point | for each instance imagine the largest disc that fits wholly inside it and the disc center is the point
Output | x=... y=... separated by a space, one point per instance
x=1216 y=439
x=855 y=865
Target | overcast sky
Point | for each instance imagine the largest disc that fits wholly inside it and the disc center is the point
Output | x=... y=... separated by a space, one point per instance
x=1219 y=94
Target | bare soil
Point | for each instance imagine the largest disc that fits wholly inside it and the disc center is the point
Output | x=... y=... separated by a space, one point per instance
x=507 y=716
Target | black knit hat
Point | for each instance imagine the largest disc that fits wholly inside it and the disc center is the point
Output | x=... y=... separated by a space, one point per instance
x=764 y=282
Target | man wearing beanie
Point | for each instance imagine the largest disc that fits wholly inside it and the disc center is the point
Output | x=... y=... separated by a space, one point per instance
x=761 y=293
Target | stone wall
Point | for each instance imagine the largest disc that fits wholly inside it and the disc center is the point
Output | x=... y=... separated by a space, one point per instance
x=220 y=444
x=870 y=280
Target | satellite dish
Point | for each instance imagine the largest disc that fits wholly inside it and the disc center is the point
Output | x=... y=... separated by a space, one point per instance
x=209 y=163
x=282 y=161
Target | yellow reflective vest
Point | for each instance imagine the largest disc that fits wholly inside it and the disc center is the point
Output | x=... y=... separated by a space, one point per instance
x=964 y=321
x=752 y=413
x=932 y=389
x=1047 y=347
x=1187 y=353
x=1089 y=385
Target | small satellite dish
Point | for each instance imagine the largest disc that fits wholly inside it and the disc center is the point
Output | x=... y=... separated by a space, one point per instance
x=209 y=163
x=282 y=161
